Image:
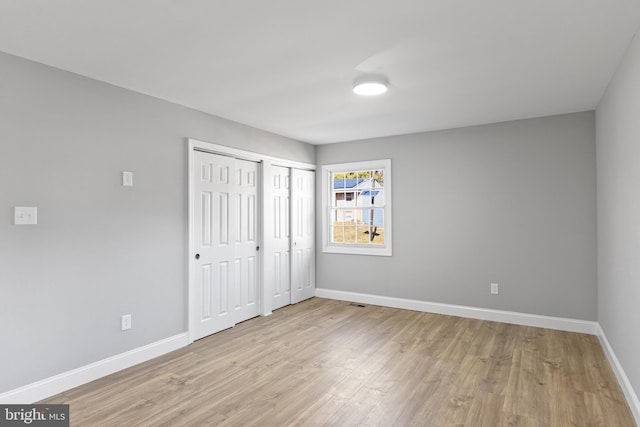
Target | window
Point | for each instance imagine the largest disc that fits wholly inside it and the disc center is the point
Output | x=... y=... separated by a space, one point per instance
x=356 y=212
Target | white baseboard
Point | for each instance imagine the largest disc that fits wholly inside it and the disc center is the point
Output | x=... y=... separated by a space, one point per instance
x=59 y=383
x=623 y=380
x=559 y=323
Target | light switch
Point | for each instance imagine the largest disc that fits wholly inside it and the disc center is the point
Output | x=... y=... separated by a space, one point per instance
x=127 y=179
x=26 y=215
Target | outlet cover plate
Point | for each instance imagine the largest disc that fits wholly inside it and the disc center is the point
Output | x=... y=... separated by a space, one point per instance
x=125 y=322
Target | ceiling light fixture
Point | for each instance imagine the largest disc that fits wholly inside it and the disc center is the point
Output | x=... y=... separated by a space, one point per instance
x=370 y=86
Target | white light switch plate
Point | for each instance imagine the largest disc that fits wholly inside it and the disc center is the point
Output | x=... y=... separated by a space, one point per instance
x=25 y=215
x=127 y=179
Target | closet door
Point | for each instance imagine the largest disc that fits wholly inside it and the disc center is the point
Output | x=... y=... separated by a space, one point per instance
x=225 y=233
x=278 y=256
x=302 y=235
x=246 y=274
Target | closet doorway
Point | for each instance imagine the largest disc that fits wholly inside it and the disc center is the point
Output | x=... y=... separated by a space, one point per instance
x=226 y=231
x=290 y=232
x=251 y=235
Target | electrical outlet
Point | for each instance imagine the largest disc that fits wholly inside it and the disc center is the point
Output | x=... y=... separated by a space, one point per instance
x=495 y=289
x=125 y=322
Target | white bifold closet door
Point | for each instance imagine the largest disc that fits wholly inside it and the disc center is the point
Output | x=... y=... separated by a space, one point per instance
x=226 y=230
x=279 y=235
x=303 y=285
x=290 y=231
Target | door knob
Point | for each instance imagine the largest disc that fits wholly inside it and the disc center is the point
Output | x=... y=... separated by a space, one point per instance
x=257 y=248
x=197 y=256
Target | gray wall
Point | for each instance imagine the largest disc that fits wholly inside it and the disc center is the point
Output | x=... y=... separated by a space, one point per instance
x=512 y=203
x=618 y=154
x=99 y=250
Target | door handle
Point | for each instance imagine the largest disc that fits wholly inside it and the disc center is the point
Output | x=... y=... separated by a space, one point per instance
x=257 y=248
x=197 y=256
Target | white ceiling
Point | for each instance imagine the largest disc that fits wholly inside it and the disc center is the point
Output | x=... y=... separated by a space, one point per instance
x=287 y=66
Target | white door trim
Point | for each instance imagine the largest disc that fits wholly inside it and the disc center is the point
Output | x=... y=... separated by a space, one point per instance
x=246 y=155
x=195 y=144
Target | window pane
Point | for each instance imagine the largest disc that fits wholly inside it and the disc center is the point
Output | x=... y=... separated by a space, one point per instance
x=358 y=188
x=357 y=226
x=343 y=226
x=365 y=235
x=373 y=225
x=373 y=216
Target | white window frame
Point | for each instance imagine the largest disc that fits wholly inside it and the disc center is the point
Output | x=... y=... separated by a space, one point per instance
x=327 y=196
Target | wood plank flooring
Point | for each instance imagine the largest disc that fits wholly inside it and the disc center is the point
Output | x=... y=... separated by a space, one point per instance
x=331 y=363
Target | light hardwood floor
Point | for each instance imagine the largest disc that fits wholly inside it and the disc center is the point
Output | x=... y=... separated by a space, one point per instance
x=331 y=363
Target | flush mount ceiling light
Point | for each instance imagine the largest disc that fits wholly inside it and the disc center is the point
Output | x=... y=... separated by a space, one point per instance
x=370 y=86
